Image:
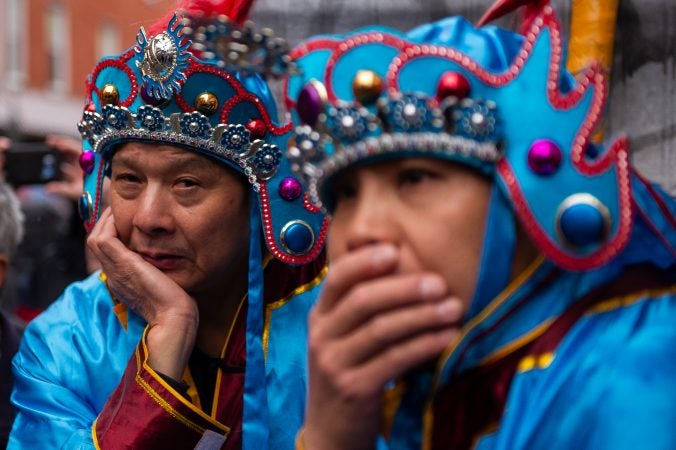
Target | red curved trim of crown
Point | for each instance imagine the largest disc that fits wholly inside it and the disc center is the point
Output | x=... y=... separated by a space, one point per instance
x=268 y=230
x=265 y=116
x=309 y=205
x=610 y=249
x=118 y=63
x=242 y=95
x=196 y=67
x=355 y=41
x=299 y=52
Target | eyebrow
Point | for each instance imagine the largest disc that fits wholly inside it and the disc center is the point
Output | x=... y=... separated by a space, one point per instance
x=181 y=161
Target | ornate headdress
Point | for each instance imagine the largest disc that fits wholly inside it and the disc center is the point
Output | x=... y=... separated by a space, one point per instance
x=198 y=83
x=497 y=100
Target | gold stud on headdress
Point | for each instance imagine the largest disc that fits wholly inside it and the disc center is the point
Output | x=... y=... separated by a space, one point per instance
x=109 y=95
x=206 y=103
x=367 y=86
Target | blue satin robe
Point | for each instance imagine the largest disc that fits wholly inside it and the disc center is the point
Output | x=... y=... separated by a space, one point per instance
x=63 y=381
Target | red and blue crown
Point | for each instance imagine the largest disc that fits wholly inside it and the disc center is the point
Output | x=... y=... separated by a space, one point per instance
x=497 y=100
x=199 y=83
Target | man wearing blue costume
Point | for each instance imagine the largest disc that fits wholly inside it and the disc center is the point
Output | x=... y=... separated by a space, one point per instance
x=497 y=281
x=193 y=336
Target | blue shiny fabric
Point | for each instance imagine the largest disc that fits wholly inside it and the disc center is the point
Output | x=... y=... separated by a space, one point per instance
x=610 y=386
x=72 y=357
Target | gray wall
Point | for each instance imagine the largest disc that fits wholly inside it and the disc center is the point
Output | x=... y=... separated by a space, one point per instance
x=643 y=84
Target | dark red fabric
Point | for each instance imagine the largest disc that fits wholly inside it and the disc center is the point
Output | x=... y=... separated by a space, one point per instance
x=230 y=404
x=134 y=418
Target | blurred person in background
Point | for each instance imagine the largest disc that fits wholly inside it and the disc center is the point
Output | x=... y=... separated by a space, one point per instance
x=11 y=233
x=53 y=253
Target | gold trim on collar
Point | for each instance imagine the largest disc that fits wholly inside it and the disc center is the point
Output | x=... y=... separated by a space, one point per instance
x=279 y=303
x=143 y=384
x=487 y=311
x=628 y=300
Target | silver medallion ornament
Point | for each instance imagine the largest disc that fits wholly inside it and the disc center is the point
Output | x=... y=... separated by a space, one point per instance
x=164 y=58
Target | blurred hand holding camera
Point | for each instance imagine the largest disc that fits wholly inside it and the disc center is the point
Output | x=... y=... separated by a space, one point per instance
x=70 y=185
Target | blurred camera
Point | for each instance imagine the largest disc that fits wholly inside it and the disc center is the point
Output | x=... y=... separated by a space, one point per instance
x=32 y=163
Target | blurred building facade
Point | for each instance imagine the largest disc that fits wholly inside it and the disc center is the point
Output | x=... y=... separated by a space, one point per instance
x=48 y=47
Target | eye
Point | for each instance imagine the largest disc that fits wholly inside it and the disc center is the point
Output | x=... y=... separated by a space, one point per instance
x=342 y=191
x=187 y=183
x=125 y=177
x=414 y=176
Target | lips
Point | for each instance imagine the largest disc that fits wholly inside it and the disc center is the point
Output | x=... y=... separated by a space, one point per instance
x=163 y=261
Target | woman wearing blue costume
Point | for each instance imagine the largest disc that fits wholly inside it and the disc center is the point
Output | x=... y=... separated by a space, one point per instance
x=496 y=282
x=193 y=336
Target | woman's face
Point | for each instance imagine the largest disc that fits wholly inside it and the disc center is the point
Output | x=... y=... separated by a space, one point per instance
x=433 y=211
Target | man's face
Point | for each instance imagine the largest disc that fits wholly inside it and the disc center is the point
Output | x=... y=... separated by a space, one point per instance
x=433 y=211
x=183 y=213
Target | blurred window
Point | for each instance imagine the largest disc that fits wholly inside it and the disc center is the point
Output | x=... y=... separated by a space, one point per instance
x=58 y=54
x=108 y=40
x=13 y=28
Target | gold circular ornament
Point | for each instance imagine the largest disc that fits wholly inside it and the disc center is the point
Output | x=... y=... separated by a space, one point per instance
x=109 y=95
x=206 y=103
x=367 y=86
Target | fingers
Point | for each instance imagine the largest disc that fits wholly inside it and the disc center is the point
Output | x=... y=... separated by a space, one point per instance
x=373 y=325
x=69 y=147
x=363 y=264
x=367 y=380
x=71 y=184
x=394 y=328
x=370 y=298
x=137 y=283
x=104 y=242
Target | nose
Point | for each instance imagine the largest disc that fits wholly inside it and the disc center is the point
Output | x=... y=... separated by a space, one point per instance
x=153 y=211
x=372 y=219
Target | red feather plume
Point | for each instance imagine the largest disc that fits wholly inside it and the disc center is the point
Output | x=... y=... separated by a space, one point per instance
x=503 y=7
x=235 y=10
